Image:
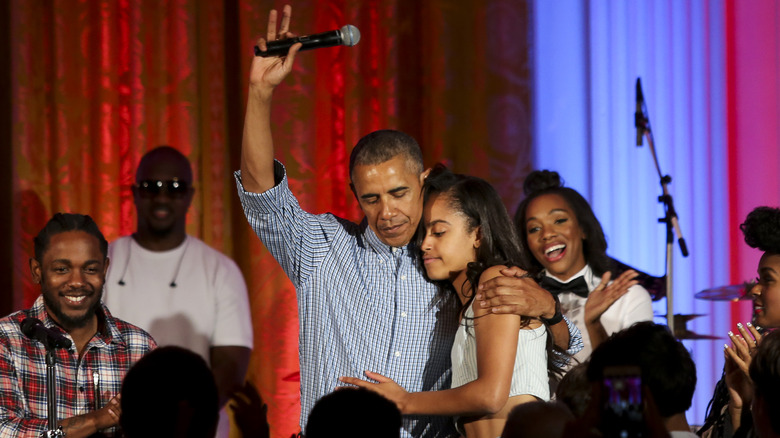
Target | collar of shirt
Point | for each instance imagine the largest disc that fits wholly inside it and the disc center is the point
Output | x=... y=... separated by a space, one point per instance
x=585 y=272
x=383 y=249
x=107 y=333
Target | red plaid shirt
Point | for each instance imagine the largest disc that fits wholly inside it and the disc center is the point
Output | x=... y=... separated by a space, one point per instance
x=83 y=385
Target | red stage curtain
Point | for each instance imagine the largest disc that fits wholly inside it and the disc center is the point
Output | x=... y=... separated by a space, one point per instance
x=95 y=84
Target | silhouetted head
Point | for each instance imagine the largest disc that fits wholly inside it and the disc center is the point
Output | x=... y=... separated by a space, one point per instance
x=170 y=392
x=765 y=373
x=537 y=419
x=354 y=413
x=666 y=366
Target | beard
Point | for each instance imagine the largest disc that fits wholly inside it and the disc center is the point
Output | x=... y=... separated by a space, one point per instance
x=66 y=321
x=162 y=231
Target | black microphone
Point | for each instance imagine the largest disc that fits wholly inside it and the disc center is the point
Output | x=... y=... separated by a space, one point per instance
x=348 y=35
x=33 y=328
x=640 y=120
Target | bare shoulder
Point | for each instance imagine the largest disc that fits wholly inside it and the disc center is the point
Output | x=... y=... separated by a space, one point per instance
x=491 y=272
x=487 y=274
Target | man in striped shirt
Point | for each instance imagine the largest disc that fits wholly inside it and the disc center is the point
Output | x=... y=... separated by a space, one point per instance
x=363 y=301
x=70 y=265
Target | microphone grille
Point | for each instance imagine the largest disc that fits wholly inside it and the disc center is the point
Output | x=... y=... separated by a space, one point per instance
x=28 y=326
x=350 y=35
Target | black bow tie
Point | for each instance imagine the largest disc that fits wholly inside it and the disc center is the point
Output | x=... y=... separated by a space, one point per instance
x=578 y=286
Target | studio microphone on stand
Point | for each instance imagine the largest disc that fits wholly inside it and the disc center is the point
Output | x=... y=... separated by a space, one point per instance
x=348 y=35
x=33 y=328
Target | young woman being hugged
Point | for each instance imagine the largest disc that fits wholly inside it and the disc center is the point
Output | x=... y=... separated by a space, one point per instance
x=498 y=361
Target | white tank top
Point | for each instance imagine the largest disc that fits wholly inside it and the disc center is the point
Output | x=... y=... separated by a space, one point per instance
x=530 y=371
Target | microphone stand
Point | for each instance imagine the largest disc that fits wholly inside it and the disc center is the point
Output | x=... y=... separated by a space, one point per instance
x=642 y=122
x=51 y=394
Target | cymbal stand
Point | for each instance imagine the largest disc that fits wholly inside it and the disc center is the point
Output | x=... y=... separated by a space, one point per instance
x=642 y=122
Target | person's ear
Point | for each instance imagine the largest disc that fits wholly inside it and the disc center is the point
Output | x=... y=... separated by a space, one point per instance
x=35 y=270
x=424 y=175
x=478 y=239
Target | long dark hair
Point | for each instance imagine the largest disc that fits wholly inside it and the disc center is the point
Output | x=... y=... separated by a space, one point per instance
x=500 y=244
x=594 y=246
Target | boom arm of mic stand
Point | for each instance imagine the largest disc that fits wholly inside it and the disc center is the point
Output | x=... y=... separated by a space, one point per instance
x=671 y=214
x=671 y=224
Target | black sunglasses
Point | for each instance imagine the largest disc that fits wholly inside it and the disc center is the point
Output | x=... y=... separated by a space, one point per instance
x=174 y=188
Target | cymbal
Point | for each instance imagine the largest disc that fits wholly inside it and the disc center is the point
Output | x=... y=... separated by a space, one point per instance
x=687 y=334
x=732 y=292
x=681 y=318
x=682 y=332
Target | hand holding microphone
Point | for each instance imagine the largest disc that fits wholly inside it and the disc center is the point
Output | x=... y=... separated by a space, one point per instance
x=348 y=35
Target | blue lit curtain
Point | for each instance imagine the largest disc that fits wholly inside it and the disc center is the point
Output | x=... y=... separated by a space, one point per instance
x=587 y=59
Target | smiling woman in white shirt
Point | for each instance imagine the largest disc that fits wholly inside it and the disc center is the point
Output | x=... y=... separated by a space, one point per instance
x=561 y=235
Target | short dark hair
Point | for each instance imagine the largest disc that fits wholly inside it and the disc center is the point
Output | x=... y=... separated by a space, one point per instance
x=383 y=145
x=765 y=373
x=538 y=418
x=546 y=182
x=762 y=229
x=155 y=388
x=63 y=222
x=574 y=390
x=354 y=413
x=666 y=366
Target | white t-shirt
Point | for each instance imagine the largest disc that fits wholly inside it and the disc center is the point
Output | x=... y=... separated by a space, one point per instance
x=208 y=307
x=636 y=305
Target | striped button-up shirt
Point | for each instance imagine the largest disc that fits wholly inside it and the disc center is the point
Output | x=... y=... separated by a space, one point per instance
x=83 y=384
x=362 y=305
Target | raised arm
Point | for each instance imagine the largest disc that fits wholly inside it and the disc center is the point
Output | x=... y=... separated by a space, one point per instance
x=257 y=149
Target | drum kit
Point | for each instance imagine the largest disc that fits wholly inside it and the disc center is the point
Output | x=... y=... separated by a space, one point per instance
x=656 y=286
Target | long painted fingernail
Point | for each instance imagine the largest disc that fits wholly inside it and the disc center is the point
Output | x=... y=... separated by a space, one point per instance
x=739 y=324
x=478 y=297
x=725 y=346
x=482 y=304
x=731 y=334
x=749 y=324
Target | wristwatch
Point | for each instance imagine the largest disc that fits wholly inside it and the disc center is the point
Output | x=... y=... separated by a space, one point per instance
x=558 y=317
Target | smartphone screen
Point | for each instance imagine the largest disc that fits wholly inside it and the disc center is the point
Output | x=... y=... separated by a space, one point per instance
x=622 y=412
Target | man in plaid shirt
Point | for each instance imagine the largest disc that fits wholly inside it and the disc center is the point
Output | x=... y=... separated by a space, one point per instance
x=70 y=264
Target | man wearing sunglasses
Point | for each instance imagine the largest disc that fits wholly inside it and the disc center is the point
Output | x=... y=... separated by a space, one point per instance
x=173 y=285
